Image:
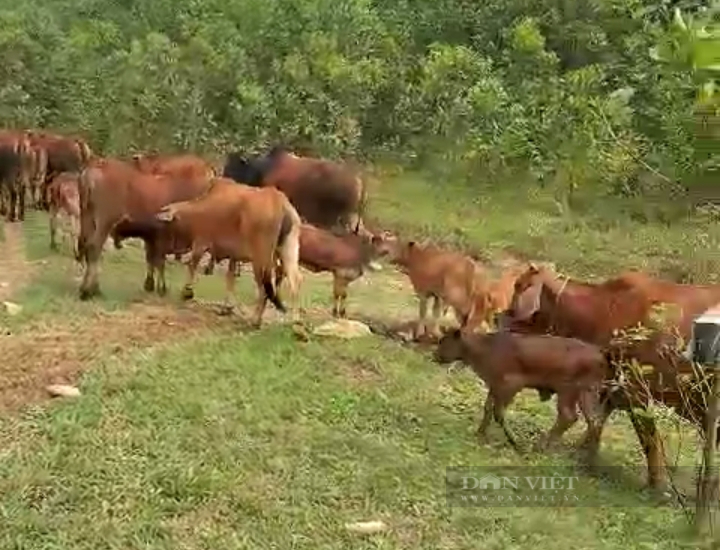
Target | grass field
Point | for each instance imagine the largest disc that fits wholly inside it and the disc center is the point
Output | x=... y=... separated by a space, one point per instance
x=195 y=433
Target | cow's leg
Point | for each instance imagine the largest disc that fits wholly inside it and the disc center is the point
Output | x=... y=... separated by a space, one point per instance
x=652 y=445
x=589 y=405
x=210 y=267
x=150 y=262
x=258 y=273
x=91 y=251
x=195 y=257
x=567 y=415
x=422 y=315
x=161 y=282
x=340 y=285
x=501 y=400
x=229 y=304
x=21 y=201
x=53 y=219
x=487 y=416
x=436 y=311
x=74 y=230
x=3 y=198
x=13 y=203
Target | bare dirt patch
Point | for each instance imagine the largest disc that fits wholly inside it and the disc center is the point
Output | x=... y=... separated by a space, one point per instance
x=57 y=352
x=15 y=270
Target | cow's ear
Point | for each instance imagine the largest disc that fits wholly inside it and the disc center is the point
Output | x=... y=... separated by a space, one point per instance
x=533 y=267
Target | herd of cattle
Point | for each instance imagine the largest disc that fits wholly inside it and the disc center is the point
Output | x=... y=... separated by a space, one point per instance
x=280 y=212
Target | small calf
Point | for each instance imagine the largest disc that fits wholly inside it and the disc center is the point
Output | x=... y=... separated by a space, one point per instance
x=509 y=362
x=493 y=297
x=346 y=256
x=446 y=276
x=63 y=198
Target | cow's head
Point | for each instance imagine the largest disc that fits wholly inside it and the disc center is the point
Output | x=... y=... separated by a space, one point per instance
x=451 y=347
x=528 y=286
x=242 y=169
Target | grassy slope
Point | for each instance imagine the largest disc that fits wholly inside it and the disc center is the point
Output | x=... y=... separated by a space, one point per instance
x=234 y=440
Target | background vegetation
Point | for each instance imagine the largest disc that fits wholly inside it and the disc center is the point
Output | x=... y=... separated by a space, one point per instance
x=569 y=92
x=565 y=130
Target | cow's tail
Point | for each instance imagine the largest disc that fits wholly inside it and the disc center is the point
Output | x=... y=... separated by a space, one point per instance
x=362 y=202
x=288 y=248
x=88 y=226
x=86 y=153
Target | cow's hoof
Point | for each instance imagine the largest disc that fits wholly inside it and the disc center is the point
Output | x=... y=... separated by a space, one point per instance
x=162 y=290
x=149 y=284
x=53 y=247
x=187 y=293
x=89 y=293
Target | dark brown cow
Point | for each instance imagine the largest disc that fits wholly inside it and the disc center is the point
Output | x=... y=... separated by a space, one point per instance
x=14 y=173
x=544 y=302
x=325 y=193
x=62 y=154
x=345 y=256
x=509 y=362
x=241 y=224
x=116 y=197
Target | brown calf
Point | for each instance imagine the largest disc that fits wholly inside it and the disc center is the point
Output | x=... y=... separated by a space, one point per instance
x=509 y=362
x=116 y=198
x=444 y=275
x=63 y=198
x=239 y=223
x=345 y=256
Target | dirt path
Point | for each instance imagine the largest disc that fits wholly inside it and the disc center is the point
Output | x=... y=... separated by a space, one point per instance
x=15 y=270
x=52 y=352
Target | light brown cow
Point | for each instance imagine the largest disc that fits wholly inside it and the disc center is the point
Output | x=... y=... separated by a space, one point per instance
x=63 y=198
x=345 y=256
x=14 y=173
x=493 y=296
x=116 y=197
x=241 y=224
x=446 y=276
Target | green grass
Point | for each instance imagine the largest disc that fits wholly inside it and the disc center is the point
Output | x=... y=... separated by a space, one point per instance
x=599 y=239
x=235 y=439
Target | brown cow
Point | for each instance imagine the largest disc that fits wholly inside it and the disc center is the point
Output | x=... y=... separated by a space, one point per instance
x=509 y=362
x=14 y=173
x=61 y=154
x=239 y=223
x=345 y=256
x=176 y=166
x=325 y=193
x=544 y=302
x=116 y=197
x=446 y=276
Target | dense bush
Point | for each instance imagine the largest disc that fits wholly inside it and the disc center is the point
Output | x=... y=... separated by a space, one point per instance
x=568 y=90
